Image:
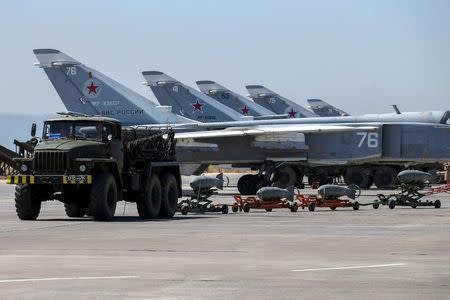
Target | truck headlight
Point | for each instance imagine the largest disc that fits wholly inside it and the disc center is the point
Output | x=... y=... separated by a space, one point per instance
x=23 y=168
x=82 y=168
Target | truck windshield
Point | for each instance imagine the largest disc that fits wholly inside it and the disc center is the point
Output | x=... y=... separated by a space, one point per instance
x=74 y=130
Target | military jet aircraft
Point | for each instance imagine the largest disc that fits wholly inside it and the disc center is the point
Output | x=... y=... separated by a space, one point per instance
x=325 y=109
x=365 y=149
x=276 y=103
x=235 y=101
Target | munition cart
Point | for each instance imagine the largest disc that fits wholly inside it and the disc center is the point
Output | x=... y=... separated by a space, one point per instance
x=89 y=163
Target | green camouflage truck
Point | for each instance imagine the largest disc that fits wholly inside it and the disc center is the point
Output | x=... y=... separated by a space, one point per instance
x=89 y=163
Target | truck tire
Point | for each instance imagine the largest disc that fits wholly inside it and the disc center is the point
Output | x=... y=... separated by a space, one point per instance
x=149 y=204
x=76 y=209
x=103 y=197
x=28 y=205
x=169 y=189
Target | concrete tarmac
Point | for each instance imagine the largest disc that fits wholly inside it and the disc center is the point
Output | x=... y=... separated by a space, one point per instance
x=402 y=253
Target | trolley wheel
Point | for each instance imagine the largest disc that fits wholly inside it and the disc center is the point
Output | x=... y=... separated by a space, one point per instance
x=376 y=205
x=391 y=204
x=235 y=208
x=437 y=204
x=246 y=208
x=311 y=206
x=184 y=209
x=224 y=209
x=268 y=209
x=294 y=207
x=355 y=205
x=413 y=204
x=333 y=208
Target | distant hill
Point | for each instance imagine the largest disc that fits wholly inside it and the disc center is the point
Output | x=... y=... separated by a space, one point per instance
x=18 y=126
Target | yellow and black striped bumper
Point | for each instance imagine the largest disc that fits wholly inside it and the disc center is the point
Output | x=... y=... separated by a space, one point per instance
x=49 y=179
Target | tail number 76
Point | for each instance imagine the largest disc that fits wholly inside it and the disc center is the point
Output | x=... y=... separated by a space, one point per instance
x=371 y=138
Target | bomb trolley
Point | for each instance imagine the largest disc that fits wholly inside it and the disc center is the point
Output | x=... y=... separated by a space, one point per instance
x=410 y=195
x=245 y=203
x=313 y=201
x=329 y=196
x=203 y=187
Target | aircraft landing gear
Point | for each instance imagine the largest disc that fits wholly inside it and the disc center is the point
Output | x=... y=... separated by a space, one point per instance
x=283 y=176
x=287 y=176
x=385 y=177
x=362 y=177
x=322 y=179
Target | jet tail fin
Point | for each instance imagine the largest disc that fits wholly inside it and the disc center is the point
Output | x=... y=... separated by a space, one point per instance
x=325 y=109
x=237 y=102
x=209 y=87
x=85 y=90
x=187 y=101
x=276 y=103
x=259 y=91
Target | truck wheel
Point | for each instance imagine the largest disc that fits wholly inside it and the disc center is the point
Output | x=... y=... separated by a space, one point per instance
x=103 y=197
x=27 y=204
x=76 y=209
x=169 y=196
x=149 y=204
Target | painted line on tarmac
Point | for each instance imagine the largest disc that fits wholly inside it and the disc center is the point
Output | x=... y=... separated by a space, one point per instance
x=66 y=278
x=351 y=267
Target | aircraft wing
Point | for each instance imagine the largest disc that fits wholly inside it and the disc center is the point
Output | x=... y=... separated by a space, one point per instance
x=271 y=130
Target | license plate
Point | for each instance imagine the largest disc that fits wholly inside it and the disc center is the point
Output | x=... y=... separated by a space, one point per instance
x=78 y=178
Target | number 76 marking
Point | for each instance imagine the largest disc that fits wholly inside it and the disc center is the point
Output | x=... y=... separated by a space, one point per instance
x=370 y=137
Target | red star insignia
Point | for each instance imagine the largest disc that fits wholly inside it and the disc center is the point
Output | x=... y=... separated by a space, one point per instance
x=197 y=105
x=292 y=113
x=92 y=88
x=245 y=110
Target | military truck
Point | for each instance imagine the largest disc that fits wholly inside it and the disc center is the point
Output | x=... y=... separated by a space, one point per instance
x=89 y=163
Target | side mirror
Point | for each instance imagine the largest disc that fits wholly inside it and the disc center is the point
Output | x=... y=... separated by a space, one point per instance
x=33 y=130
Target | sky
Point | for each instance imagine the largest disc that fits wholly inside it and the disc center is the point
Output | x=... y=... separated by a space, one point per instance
x=361 y=56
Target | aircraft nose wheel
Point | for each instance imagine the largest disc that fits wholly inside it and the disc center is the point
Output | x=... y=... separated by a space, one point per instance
x=437 y=204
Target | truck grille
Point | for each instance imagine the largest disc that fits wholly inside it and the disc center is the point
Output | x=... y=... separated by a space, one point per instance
x=46 y=161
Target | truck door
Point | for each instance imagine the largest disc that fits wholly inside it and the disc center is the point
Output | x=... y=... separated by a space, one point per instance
x=115 y=144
